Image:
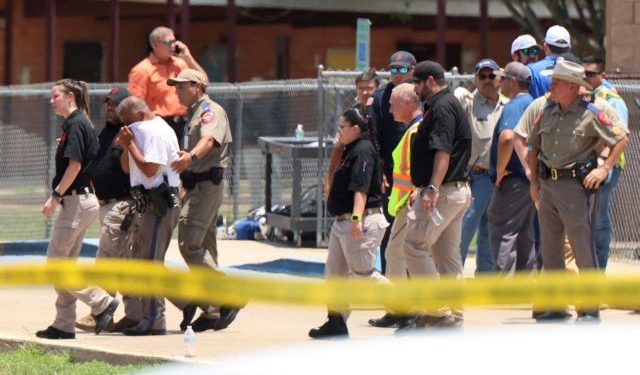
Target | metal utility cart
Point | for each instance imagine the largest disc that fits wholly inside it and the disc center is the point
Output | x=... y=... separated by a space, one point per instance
x=296 y=150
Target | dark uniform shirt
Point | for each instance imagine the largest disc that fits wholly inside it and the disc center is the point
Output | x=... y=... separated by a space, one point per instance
x=389 y=131
x=78 y=142
x=109 y=180
x=359 y=170
x=445 y=127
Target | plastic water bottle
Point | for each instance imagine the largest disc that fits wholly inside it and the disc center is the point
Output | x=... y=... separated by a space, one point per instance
x=189 y=342
x=299 y=132
x=436 y=217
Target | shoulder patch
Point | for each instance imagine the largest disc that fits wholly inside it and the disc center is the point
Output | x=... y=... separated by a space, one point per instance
x=205 y=106
x=600 y=114
x=207 y=115
x=602 y=117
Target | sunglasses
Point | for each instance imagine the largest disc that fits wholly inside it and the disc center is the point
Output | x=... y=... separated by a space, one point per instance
x=591 y=73
x=401 y=70
x=531 y=51
x=168 y=42
x=486 y=76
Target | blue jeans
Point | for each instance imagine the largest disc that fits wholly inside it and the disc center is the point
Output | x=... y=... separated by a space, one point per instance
x=475 y=220
x=604 y=229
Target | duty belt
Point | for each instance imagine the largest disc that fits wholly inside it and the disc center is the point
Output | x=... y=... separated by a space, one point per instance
x=367 y=212
x=556 y=173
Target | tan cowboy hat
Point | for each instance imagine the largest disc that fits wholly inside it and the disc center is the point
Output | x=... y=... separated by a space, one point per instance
x=568 y=71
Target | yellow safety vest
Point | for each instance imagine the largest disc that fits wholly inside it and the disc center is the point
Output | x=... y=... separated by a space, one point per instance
x=605 y=93
x=402 y=186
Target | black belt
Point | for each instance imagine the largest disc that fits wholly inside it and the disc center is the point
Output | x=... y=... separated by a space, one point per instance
x=367 y=212
x=209 y=175
x=83 y=190
x=556 y=173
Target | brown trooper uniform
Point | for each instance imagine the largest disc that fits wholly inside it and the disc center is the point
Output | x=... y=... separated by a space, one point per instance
x=565 y=142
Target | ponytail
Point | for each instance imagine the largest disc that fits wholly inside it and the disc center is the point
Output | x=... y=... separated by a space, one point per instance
x=80 y=91
x=365 y=122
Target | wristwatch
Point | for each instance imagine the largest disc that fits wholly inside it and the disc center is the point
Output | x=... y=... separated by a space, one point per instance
x=56 y=195
x=194 y=157
x=355 y=218
x=431 y=189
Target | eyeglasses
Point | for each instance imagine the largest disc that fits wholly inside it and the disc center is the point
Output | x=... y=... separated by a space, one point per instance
x=168 y=42
x=345 y=126
x=505 y=78
x=401 y=70
x=531 y=51
x=591 y=73
x=490 y=76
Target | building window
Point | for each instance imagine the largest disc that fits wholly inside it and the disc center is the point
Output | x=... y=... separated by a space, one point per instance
x=83 y=61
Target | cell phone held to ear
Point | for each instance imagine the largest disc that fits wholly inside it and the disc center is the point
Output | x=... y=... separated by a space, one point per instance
x=177 y=50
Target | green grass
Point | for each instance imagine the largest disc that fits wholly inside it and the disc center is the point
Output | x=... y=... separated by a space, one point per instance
x=29 y=359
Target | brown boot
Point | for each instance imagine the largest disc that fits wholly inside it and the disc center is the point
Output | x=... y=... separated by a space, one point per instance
x=87 y=323
x=123 y=324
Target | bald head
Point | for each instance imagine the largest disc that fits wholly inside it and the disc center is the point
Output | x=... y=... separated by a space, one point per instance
x=134 y=109
x=405 y=103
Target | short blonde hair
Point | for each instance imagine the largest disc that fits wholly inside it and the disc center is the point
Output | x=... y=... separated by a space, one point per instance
x=406 y=91
x=158 y=34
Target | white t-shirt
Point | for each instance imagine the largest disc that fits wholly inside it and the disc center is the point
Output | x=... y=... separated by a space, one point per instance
x=158 y=144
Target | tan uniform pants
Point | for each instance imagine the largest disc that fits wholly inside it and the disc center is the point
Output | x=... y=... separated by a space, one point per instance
x=432 y=250
x=115 y=243
x=77 y=213
x=350 y=257
x=396 y=265
x=197 y=231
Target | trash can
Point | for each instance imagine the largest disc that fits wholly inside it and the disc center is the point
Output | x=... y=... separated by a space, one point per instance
x=296 y=150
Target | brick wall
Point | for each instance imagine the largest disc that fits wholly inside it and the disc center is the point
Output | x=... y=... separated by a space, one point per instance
x=256 y=54
x=623 y=28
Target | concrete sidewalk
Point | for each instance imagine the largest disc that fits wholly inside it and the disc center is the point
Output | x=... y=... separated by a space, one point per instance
x=258 y=326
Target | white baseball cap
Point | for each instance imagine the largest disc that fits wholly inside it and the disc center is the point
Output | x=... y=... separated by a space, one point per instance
x=558 y=36
x=522 y=42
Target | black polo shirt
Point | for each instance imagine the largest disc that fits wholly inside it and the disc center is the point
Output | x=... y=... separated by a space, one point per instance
x=359 y=170
x=389 y=131
x=78 y=142
x=445 y=127
x=109 y=181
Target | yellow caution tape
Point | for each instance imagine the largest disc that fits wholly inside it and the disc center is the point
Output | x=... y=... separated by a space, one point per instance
x=200 y=284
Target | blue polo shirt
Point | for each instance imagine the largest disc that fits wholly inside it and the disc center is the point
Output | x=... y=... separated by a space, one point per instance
x=511 y=114
x=540 y=84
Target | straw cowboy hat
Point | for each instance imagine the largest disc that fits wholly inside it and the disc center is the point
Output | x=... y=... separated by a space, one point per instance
x=568 y=71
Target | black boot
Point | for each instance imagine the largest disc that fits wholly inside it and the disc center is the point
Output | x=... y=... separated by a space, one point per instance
x=387 y=320
x=334 y=327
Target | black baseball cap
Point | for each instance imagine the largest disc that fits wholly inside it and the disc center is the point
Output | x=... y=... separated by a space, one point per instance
x=402 y=59
x=486 y=64
x=427 y=68
x=117 y=94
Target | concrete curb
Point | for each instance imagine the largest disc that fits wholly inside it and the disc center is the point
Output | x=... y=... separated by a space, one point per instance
x=83 y=354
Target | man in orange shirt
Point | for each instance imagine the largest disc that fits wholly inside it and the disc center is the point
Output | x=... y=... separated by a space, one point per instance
x=148 y=79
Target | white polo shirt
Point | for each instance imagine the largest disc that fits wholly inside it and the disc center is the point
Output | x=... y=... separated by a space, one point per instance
x=158 y=144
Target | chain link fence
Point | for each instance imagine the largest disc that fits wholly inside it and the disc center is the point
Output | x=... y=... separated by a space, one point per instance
x=29 y=128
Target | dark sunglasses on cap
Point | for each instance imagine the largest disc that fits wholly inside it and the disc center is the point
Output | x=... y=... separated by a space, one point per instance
x=490 y=76
x=531 y=51
x=401 y=70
